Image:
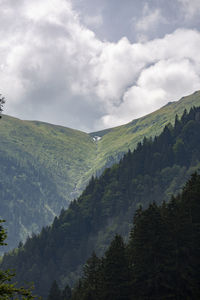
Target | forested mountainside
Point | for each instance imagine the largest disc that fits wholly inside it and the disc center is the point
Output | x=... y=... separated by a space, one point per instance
x=44 y=167
x=154 y=171
x=160 y=261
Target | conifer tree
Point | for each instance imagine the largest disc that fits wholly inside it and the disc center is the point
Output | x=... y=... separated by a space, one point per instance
x=92 y=277
x=54 y=293
x=66 y=293
x=148 y=254
x=10 y=290
x=116 y=271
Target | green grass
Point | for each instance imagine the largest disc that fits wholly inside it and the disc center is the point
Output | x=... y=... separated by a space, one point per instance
x=66 y=153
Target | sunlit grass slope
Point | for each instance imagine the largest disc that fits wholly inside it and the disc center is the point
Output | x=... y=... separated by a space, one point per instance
x=66 y=153
x=118 y=140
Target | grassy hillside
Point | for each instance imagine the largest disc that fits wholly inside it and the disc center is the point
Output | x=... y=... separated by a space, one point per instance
x=44 y=167
x=66 y=153
x=118 y=140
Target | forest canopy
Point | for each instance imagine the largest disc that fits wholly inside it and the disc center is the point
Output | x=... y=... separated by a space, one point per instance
x=161 y=259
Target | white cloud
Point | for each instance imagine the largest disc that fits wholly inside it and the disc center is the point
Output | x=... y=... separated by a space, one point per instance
x=170 y=70
x=167 y=80
x=54 y=69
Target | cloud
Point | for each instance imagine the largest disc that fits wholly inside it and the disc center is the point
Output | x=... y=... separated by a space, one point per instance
x=93 y=21
x=53 y=68
x=46 y=64
x=156 y=85
x=169 y=69
x=191 y=8
x=149 y=20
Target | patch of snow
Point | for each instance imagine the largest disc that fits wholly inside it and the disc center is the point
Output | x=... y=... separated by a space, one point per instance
x=96 y=138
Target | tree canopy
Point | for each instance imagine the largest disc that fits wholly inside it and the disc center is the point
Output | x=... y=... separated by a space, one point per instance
x=160 y=260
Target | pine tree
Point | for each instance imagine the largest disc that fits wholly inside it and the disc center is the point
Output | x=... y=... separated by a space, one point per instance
x=9 y=290
x=116 y=271
x=148 y=254
x=92 y=278
x=54 y=293
x=66 y=293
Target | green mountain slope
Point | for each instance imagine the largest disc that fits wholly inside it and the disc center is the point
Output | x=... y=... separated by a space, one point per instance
x=44 y=167
x=41 y=171
x=116 y=141
x=153 y=172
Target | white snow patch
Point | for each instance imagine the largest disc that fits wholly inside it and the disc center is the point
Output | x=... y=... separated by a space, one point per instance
x=96 y=138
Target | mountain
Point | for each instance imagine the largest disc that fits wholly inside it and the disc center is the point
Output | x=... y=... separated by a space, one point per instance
x=44 y=166
x=116 y=141
x=155 y=170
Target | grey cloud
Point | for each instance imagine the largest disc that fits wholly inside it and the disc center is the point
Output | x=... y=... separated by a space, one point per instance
x=190 y=7
x=120 y=18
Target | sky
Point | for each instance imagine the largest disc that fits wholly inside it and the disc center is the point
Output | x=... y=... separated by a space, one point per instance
x=95 y=64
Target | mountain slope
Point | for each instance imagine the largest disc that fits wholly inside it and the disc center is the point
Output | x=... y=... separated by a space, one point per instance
x=44 y=167
x=116 y=141
x=153 y=172
x=41 y=168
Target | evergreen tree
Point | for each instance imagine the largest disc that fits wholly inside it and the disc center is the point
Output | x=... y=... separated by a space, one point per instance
x=10 y=290
x=148 y=254
x=66 y=293
x=116 y=272
x=92 y=277
x=78 y=291
x=54 y=293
